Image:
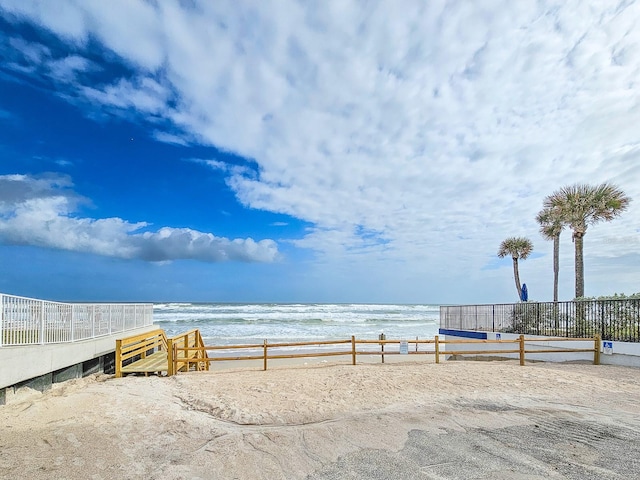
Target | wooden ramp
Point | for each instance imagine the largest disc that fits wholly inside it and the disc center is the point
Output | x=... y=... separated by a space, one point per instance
x=153 y=352
x=144 y=353
x=157 y=362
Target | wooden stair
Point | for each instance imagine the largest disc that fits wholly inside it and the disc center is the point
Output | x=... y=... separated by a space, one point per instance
x=153 y=352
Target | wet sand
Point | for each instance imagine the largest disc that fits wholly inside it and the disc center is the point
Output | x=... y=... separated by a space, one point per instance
x=416 y=419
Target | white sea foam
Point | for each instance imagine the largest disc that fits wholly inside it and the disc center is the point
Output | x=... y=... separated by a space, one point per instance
x=249 y=323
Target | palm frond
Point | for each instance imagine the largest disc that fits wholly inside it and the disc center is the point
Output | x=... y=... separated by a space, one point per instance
x=580 y=205
x=515 y=247
x=551 y=222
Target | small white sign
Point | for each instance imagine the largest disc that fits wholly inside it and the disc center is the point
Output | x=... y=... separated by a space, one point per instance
x=404 y=347
x=498 y=336
x=607 y=348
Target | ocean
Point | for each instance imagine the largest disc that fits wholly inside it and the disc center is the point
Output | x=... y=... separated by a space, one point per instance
x=233 y=324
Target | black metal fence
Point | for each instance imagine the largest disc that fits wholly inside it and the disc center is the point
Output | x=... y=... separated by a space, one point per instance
x=617 y=320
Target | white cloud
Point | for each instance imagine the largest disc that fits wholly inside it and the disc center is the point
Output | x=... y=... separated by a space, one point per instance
x=436 y=128
x=144 y=95
x=131 y=29
x=68 y=67
x=233 y=170
x=33 y=58
x=32 y=52
x=166 y=137
x=39 y=211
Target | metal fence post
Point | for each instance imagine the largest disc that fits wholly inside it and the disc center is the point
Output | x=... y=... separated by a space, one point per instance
x=476 y=315
x=1 y=319
x=42 y=322
x=493 y=318
x=73 y=323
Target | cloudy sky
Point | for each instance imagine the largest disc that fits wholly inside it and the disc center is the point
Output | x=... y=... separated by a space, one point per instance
x=303 y=151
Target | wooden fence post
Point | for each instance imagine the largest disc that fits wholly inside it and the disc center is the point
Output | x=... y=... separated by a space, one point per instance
x=521 y=350
x=265 y=355
x=437 y=350
x=596 y=349
x=170 y=369
x=353 y=349
x=118 y=358
x=174 y=358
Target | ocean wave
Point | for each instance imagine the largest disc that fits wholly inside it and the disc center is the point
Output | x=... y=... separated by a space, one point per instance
x=298 y=321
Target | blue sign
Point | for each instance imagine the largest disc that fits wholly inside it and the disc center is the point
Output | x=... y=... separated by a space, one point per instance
x=607 y=348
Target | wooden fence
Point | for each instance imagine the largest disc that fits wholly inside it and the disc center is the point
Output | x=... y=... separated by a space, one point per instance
x=184 y=356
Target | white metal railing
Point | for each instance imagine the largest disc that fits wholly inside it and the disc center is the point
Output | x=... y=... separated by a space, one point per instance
x=29 y=321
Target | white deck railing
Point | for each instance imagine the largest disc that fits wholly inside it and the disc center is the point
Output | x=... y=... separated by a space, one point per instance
x=29 y=321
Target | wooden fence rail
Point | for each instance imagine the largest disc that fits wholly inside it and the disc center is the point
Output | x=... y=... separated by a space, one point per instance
x=184 y=356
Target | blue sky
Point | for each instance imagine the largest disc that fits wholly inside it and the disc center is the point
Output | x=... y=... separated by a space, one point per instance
x=286 y=151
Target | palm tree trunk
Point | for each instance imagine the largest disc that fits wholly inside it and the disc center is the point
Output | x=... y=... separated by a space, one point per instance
x=578 y=240
x=516 y=276
x=580 y=323
x=556 y=266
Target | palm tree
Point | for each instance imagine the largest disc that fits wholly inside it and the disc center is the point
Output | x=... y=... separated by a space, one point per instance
x=551 y=226
x=517 y=247
x=581 y=205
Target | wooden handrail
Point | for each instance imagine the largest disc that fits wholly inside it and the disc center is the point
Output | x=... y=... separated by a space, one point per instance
x=186 y=349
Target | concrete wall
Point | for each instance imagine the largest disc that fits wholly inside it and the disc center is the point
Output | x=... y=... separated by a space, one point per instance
x=623 y=353
x=22 y=363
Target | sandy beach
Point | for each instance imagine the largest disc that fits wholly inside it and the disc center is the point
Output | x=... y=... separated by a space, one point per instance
x=456 y=420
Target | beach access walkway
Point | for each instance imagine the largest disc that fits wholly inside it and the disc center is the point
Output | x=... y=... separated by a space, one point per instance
x=154 y=352
x=44 y=342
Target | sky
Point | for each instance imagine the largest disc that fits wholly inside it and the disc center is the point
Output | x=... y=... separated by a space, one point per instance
x=311 y=151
